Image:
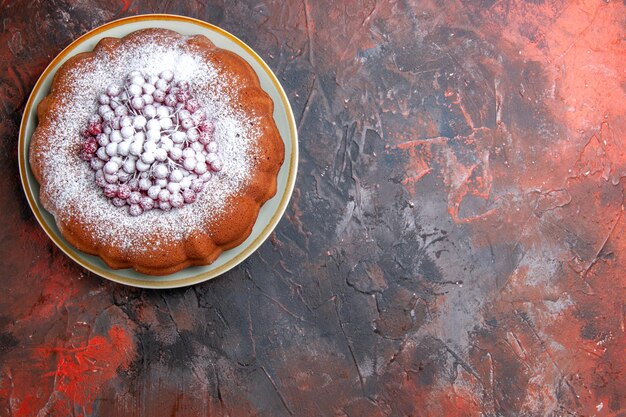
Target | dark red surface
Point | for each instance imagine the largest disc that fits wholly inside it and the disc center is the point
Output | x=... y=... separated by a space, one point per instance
x=454 y=247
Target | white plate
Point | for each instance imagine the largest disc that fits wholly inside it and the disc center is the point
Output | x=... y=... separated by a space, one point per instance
x=270 y=213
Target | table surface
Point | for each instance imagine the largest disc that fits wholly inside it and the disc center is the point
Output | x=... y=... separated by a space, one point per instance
x=454 y=246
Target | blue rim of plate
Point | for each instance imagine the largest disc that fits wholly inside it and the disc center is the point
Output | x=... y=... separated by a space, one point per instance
x=147 y=281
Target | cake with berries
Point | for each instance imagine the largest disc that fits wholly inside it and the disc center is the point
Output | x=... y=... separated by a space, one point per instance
x=156 y=151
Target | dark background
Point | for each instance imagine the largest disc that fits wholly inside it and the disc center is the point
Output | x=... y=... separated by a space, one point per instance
x=454 y=246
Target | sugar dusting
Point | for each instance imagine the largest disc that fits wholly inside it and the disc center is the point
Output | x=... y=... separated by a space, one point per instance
x=69 y=181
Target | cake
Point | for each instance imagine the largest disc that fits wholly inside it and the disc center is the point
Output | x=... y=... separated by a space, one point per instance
x=156 y=151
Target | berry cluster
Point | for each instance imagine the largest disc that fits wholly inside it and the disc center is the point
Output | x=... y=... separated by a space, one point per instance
x=150 y=144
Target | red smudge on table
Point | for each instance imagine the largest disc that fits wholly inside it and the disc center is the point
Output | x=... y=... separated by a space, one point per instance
x=81 y=373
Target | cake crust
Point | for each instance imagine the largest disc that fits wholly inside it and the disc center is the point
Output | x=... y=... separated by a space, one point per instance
x=225 y=229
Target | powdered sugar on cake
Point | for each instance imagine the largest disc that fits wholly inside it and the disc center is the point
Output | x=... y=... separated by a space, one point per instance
x=69 y=181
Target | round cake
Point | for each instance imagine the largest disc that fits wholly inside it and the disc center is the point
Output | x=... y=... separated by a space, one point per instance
x=156 y=151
